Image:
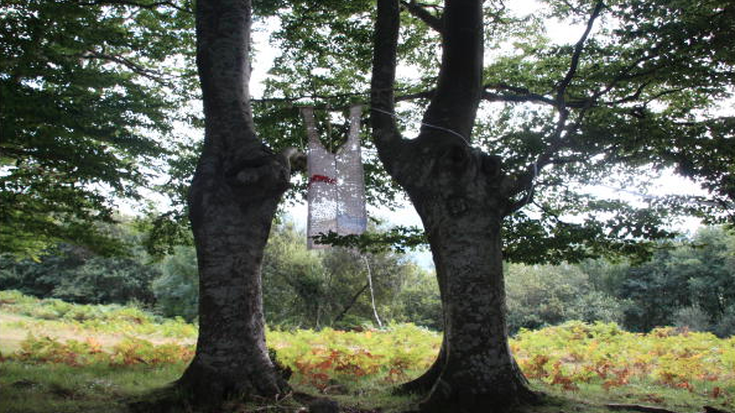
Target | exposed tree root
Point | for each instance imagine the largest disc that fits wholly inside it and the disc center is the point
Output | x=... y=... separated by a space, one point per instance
x=444 y=398
x=422 y=384
x=638 y=408
x=710 y=409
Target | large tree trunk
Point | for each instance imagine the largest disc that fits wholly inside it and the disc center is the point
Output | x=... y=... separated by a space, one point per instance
x=232 y=200
x=462 y=196
x=478 y=371
x=458 y=193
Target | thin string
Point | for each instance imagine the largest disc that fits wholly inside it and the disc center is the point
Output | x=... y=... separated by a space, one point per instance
x=533 y=182
x=535 y=163
x=372 y=294
x=630 y=192
x=441 y=128
x=662 y=197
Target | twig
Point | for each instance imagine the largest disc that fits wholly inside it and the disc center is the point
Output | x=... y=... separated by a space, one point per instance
x=133 y=66
x=577 y=53
x=352 y=302
x=150 y=6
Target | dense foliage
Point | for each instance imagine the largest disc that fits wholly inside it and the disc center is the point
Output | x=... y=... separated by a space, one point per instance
x=540 y=296
x=638 y=98
x=90 y=93
x=331 y=287
x=177 y=288
x=689 y=284
x=301 y=288
x=74 y=274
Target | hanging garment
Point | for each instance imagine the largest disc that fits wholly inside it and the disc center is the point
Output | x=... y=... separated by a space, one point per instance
x=336 y=189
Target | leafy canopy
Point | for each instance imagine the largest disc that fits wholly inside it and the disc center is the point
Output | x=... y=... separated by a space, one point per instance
x=636 y=98
x=90 y=89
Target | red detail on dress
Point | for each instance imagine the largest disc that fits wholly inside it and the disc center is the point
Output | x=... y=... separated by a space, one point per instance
x=321 y=178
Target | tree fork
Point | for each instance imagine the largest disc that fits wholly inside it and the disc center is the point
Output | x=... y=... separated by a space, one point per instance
x=461 y=195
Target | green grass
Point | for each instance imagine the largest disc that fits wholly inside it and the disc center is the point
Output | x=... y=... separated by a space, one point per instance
x=54 y=314
x=594 y=396
x=58 y=388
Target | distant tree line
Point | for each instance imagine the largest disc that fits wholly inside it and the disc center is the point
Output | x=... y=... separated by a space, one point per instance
x=689 y=284
x=302 y=288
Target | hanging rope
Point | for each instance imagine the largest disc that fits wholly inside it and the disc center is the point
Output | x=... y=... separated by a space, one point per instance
x=428 y=125
x=372 y=293
x=532 y=187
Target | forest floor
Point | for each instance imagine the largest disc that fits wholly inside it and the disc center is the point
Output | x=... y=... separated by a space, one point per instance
x=57 y=357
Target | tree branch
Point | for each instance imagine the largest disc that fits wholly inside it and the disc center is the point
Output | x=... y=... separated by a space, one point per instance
x=664 y=93
x=351 y=303
x=150 y=6
x=459 y=88
x=633 y=97
x=382 y=101
x=525 y=181
x=419 y=11
x=562 y=88
x=223 y=53
x=133 y=66
x=296 y=98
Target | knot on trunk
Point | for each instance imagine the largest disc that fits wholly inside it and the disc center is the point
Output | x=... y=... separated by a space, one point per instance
x=461 y=164
x=457 y=205
x=454 y=159
x=491 y=165
x=266 y=174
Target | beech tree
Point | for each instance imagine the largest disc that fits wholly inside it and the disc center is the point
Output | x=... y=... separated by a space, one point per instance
x=462 y=197
x=232 y=201
x=635 y=96
x=463 y=194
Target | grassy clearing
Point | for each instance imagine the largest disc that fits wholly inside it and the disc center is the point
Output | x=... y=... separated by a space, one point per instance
x=58 y=318
x=59 y=388
x=98 y=358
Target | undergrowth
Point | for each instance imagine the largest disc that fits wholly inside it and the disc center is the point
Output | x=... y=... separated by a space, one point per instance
x=112 y=318
x=592 y=363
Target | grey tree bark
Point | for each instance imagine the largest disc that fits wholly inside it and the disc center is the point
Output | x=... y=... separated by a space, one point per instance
x=462 y=197
x=233 y=198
